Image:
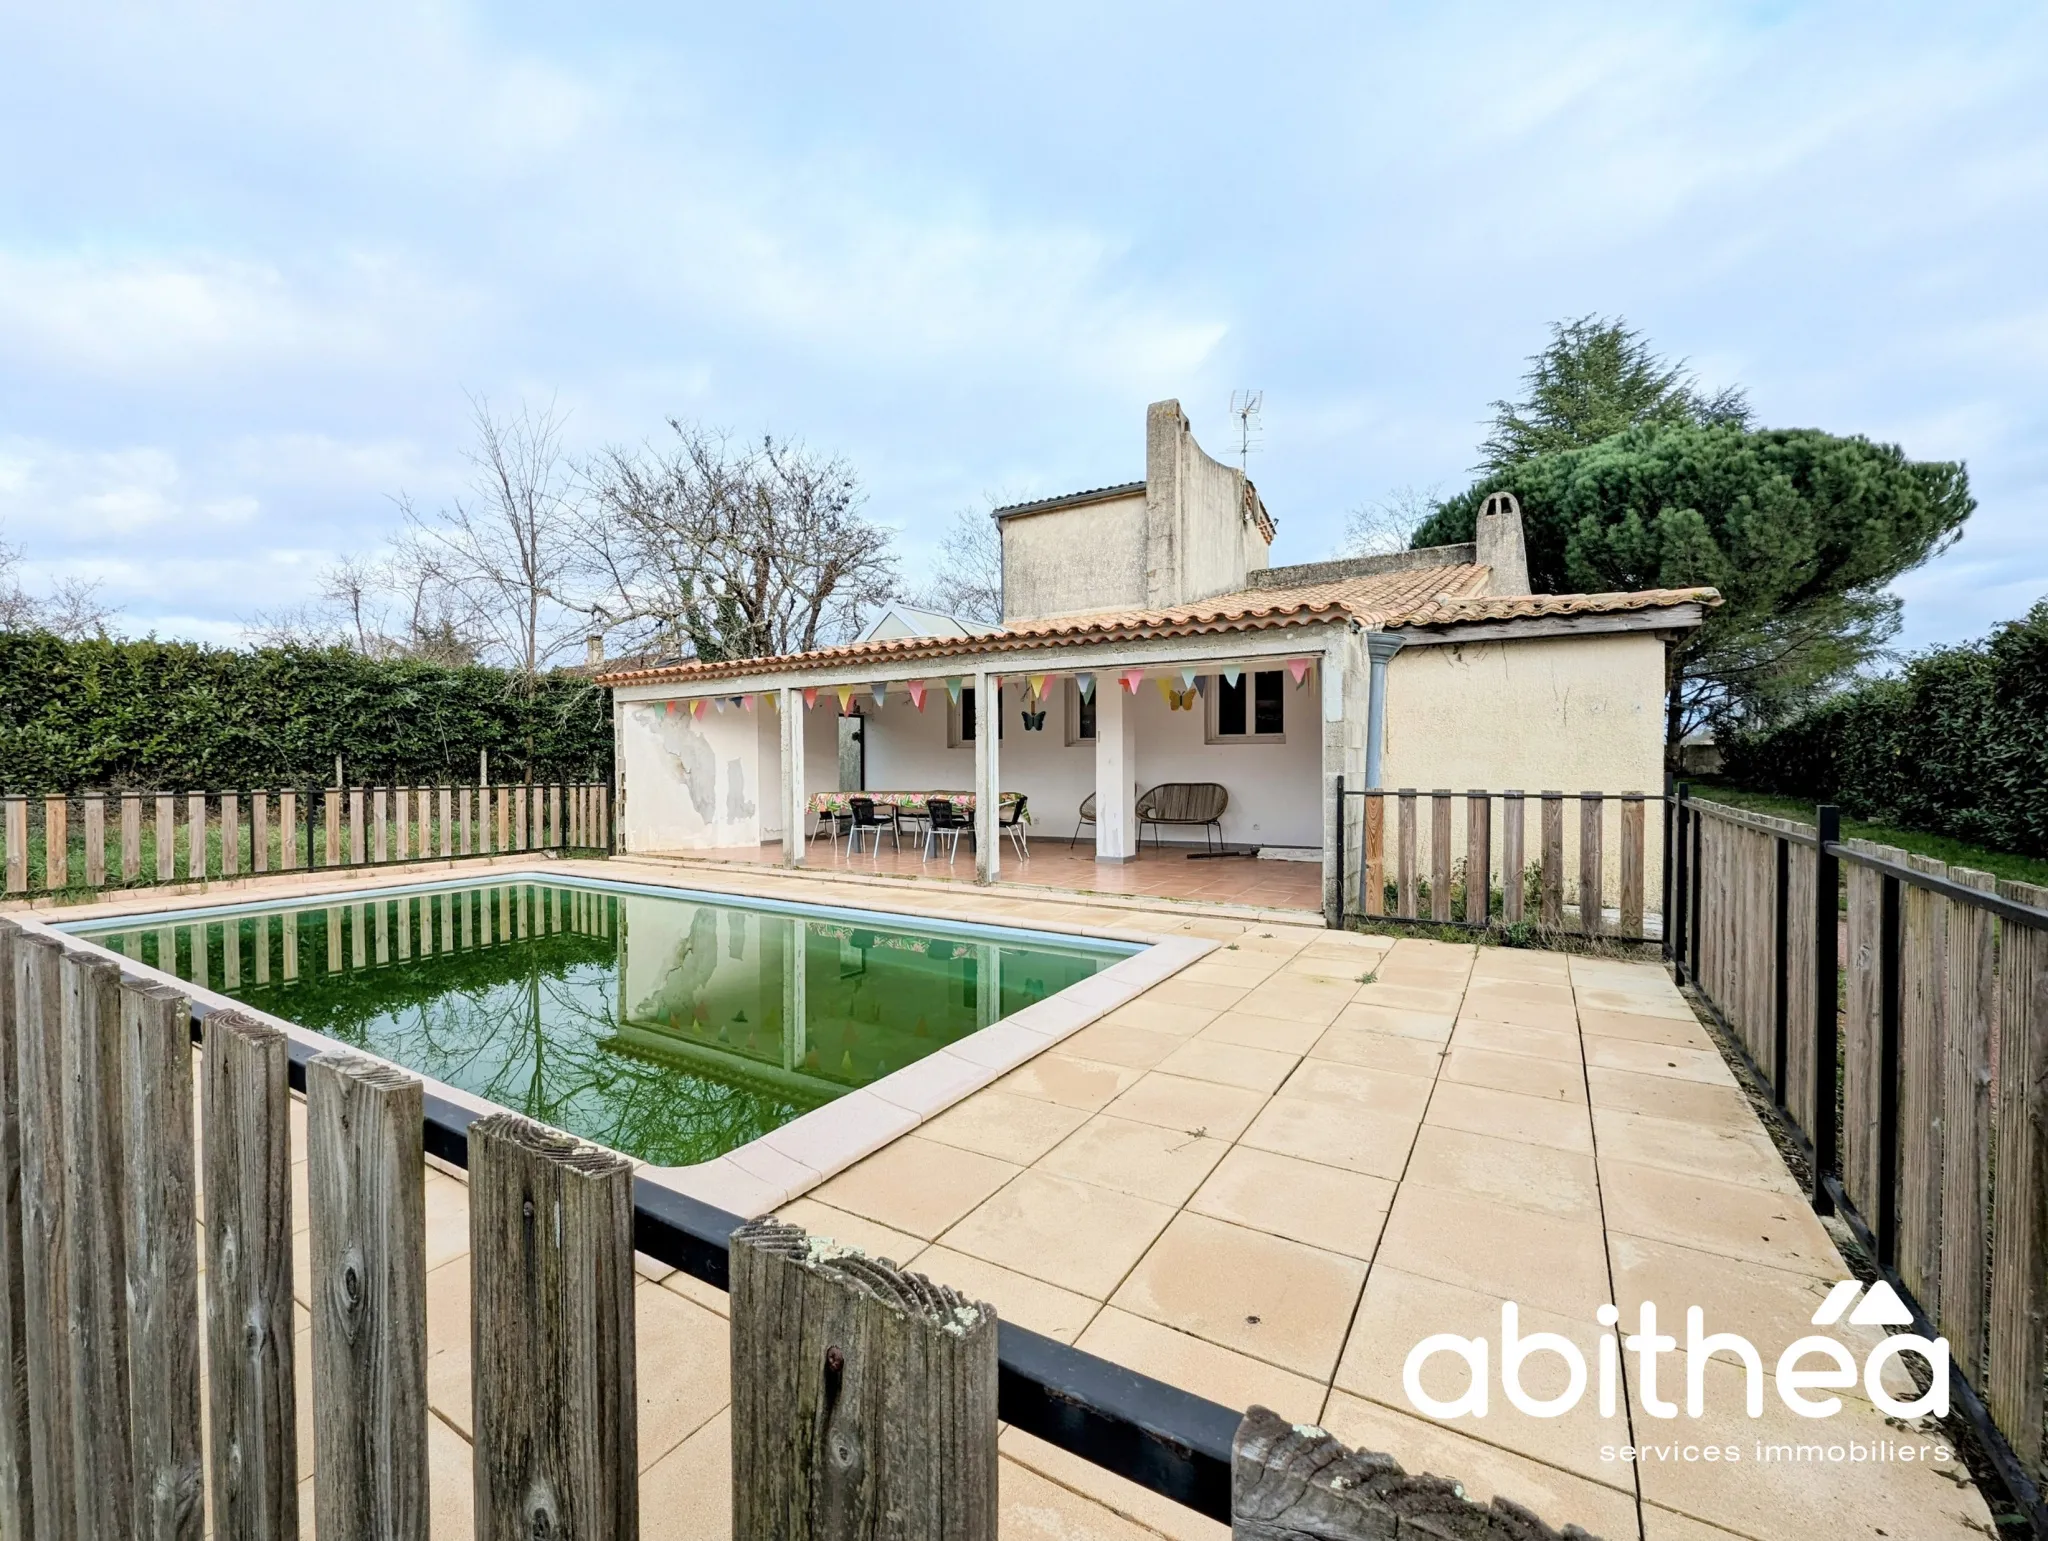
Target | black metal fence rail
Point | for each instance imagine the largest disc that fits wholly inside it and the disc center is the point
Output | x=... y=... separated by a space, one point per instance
x=1897 y=1010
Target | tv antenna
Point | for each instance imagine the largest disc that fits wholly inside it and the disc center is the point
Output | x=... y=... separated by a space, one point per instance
x=1245 y=407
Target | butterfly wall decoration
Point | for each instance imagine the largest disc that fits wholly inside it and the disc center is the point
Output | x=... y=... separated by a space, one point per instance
x=1182 y=700
x=1034 y=722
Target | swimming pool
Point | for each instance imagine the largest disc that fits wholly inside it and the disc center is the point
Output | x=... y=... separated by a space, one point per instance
x=671 y=1026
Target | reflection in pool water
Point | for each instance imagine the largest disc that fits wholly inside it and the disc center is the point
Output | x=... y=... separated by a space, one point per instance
x=673 y=1029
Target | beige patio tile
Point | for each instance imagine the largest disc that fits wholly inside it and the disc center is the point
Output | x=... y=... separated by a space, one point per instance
x=1725 y=1152
x=1260 y=1294
x=683 y=1357
x=851 y=1230
x=690 y=1487
x=1262 y=1032
x=1390 y=996
x=451 y=1485
x=1112 y=1043
x=448 y=1343
x=1359 y=1087
x=1136 y=1158
x=1230 y=1064
x=1193 y=1107
x=1558 y=1043
x=1192 y=995
x=1521 y=1073
x=1068 y=1080
x=1329 y=1131
x=1299 y=1002
x=1659 y=1059
x=1017 y=1297
x=1074 y=1234
x=916 y=1185
x=1694 y=1102
x=1195 y=1364
x=1402 y=1022
x=1680 y=1032
x=1535 y=1259
x=997 y=1123
x=1158 y=1011
x=1379 y=1051
x=1511 y=1003
x=1030 y=1508
x=1231 y=975
x=1306 y=1201
x=1661 y=1000
x=1661 y=1524
x=1122 y=1499
x=1421 y=1445
x=1401 y=1309
x=1769 y=1227
x=1539 y=1177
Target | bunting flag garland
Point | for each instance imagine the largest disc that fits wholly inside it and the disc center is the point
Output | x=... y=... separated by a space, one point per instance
x=845 y=693
x=718 y=704
x=1232 y=676
x=1165 y=689
x=669 y=707
x=747 y=703
x=1187 y=679
x=697 y=707
x=1085 y=683
x=1298 y=667
x=1038 y=687
x=917 y=688
x=1132 y=679
x=953 y=688
x=810 y=695
x=1202 y=686
x=880 y=690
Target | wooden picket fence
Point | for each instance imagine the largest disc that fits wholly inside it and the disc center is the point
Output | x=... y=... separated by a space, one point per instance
x=1507 y=873
x=1897 y=1009
x=89 y=841
x=865 y=1399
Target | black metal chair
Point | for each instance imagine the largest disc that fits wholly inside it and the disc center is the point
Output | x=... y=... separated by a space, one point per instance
x=945 y=822
x=865 y=817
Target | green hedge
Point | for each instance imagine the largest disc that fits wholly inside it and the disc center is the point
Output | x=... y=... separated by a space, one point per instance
x=153 y=714
x=1955 y=745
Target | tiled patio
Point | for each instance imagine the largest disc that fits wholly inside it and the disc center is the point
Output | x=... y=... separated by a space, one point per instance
x=1269 y=1177
x=1156 y=874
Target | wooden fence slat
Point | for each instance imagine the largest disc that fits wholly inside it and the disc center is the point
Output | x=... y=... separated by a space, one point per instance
x=2019 y=1211
x=332 y=802
x=1405 y=897
x=1478 y=858
x=1375 y=895
x=1440 y=854
x=195 y=836
x=92 y=1257
x=366 y=1186
x=1801 y=1029
x=522 y=821
x=259 y=832
x=95 y=808
x=287 y=829
x=462 y=830
x=162 y=1243
x=230 y=834
x=555 y=814
x=1632 y=864
x=1552 y=913
x=445 y=798
x=254 y=1467
x=1513 y=860
x=1860 y=1030
x=46 y=1300
x=17 y=843
x=1966 y=1124
x=552 y=1339
x=379 y=822
x=131 y=836
x=864 y=1397
x=1923 y=1058
x=166 y=838
x=358 y=834
x=1592 y=862
x=17 y=1503
x=56 y=843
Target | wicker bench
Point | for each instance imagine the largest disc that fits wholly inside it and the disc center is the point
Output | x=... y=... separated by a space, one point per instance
x=1184 y=802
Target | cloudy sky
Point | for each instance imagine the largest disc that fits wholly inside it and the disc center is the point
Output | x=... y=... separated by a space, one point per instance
x=254 y=259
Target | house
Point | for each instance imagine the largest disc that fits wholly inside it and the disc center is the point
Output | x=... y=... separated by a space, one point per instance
x=1146 y=639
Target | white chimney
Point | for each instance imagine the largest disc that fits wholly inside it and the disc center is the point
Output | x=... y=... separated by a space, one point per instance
x=1498 y=537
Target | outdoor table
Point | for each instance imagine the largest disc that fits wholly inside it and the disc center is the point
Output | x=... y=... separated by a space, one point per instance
x=840 y=805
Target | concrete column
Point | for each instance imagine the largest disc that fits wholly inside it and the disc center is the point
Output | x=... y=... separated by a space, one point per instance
x=988 y=983
x=1116 y=770
x=1380 y=648
x=795 y=1002
x=988 y=781
x=796 y=825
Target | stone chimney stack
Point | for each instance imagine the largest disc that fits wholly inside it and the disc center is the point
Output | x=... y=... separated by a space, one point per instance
x=593 y=651
x=1498 y=537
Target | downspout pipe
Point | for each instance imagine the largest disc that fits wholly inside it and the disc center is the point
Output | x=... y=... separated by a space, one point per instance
x=1380 y=647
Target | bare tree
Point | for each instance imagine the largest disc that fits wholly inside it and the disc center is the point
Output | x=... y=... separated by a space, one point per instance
x=499 y=566
x=379 y=608
x=1377 y=529
x=968 y=579
x=726 y=551
x=72 y=609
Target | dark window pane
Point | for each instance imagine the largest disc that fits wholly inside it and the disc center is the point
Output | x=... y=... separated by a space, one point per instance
x=1230 y=707
x=1085 y=726
x=1268 y=714
x=967 y=714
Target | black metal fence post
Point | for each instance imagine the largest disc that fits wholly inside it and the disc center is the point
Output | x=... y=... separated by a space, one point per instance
x=1781 y=972
x=1827 y=1073
x=1664 y=864
x=1677 y=920
x=1886 y=1229
x=1338 y=919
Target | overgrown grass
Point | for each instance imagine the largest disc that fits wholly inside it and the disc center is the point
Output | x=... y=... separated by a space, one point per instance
x=1957 y=853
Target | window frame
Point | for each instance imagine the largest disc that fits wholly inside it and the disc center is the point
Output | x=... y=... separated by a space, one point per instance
x=1212 y=697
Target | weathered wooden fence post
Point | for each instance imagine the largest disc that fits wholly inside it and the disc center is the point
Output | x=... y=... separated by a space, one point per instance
x=17 y=1506
x=159 y=1189
x=95 y=840
x=254 y=1438
x=1551 y=912
x=166 y=838
x=1404 y=855
x=1440 y=854
x=46 y=1308
x=366 y=1175
x=16 y=822
x=2019 y=1209
x=859 y=1391
x=195 y=837
x=1632 y=864
x=131 y=836
x=1592 y=861
x=56 y=843
x=287 y=828
x=1290 y=1483
x=1513 y=880
x=551 y=1333
x=1478 y=858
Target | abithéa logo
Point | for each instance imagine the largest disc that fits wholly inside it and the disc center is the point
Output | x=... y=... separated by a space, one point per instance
x=1816 y=1363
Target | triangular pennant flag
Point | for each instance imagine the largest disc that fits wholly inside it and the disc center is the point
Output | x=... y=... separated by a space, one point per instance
x=1085 y=683
x=1038 y=686
x=1202 y=686
x=1298 y=667
x=669 y=707
x=1232 y=676
x=953 y=689
x=917 y=688
x=1187 y=679
x=810 y=695
x=1165 y=689
x=697 y=707
x=880 y=689
x=747 y=702
x=1131 y=679
x=845 y=699
x=718 y=703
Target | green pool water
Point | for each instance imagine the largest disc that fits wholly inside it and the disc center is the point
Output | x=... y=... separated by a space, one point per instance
x=672 y=1028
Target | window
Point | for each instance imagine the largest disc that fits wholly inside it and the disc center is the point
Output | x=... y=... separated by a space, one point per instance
x=967 y=715
x=1252 y=710
x=962 y=720
x=1080 y=716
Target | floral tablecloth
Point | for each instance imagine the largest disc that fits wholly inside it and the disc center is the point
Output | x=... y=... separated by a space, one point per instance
x=840 y=806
